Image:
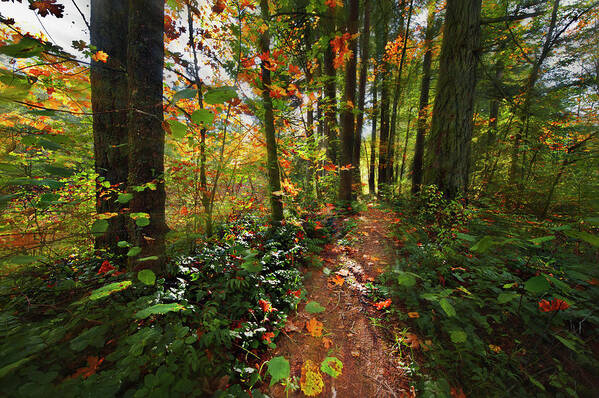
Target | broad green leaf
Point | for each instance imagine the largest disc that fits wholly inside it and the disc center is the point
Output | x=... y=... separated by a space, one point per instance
x=332 y=366
x=219 y=95
x=278 y=369
x=27 y=47
x=539 y=241
x=537 y=284
x=568 y=343
x=185 y=94
x=8 y=368
x=147 y=277
x=465 y=237
x=109 y=289
x=134 y=251
x=584 y=236
x=537 y=383
x=483 y=245
x=506 y=297
x=124 y=198
x=202 y=116
x=150 y=258
x=158 y=309
x=123 y=243
x=99 y=227
x=458 y=336
x=13 y=86
x=447 y=307
x=142 y=221
x=406 y=279
x=313 y=307
x=23 y=259
x=177 y=128
x=252 y=266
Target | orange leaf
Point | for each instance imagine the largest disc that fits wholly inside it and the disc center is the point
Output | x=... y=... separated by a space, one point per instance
x=336 y=281
x=314 y=327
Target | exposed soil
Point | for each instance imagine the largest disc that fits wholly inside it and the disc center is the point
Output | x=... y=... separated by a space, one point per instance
x=370 y=367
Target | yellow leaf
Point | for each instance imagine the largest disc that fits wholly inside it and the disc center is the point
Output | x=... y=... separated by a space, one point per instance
x=311 y=380
x=413 y=315
x=100 y=56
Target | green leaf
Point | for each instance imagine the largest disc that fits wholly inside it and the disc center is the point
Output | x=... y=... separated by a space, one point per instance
x=568 y=343
x=177 y=128
x=406 y=279
x=150 y=258
x=99 y=227
x=109 y=289
x=447 y=307
x=142 y=222
x=134 y=251
x=147 y=277
x=25 y=48
x=23 y=259
x=252 y=266
x=537 y=284
x=506 y=297
x=536 y=383
x=483 y=245
x=123 y=243
x=465 y=237
x=185 y=94
x=8 y=368
x=124 y=198
x=332 y=366
x=158 y=309
x=202 y=116
x=278 y=369
x=219 y=95
x=539 y=241
x=458 y=336
x=584 y=236
x=313 y=307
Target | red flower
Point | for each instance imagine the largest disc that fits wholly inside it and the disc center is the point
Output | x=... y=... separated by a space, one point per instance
x=266 y=306
x=105 y=267
x=297 y=293
x=267 y=336
x=382 y=304
x=553 y=305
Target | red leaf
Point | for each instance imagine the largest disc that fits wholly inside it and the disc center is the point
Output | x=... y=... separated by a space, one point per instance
x=45 y=7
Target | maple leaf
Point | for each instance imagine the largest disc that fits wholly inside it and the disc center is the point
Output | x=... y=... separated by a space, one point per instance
x=218 y=6
x=45 y=7
x=314 y=327
x=336 y=281
x=100 y=56
x=327 y=343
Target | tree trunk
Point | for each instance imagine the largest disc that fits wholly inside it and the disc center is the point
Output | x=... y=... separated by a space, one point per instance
x=424 y=94
x=109 y=95
x=145 y=58
x=371 y=172
x=274 y=181
x=448 y=149
x=364 y=56
x=347 y=116
x=330 y=90
x=384 y=110
x=396 y=97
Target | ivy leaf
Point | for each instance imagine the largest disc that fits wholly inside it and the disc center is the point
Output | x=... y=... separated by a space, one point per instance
x=313 y=307
x=147 y=277
x=278 y=369
x=332 y=366
x=220 y=95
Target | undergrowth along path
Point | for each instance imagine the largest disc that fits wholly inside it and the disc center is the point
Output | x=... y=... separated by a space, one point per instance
x=345 y=329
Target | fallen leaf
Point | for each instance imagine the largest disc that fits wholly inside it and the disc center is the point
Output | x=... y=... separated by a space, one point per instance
x=355 y=354
x=335 y=281
x=291 y=327
x=327 y=343
x=414 y=314
x=382 y=304
x=412 y=341
x=311 y=380
x=314 y=327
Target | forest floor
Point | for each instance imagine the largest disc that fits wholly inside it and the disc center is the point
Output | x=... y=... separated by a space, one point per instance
x=371 y=365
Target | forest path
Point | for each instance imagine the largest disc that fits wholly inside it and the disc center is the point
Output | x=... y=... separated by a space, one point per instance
x=370 y=367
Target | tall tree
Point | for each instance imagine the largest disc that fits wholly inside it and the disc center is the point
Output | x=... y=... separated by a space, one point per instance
x=274 y=180
x=347 y=116
x=448 y=148
x=145 y=61
x=382 y=32
x=424 y=95
x=330 y=88
x=364 y=58
x=109 y=94
x=371 y=171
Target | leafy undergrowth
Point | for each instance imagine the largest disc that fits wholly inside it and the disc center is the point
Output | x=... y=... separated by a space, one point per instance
x=502 y=305
x=83 y=328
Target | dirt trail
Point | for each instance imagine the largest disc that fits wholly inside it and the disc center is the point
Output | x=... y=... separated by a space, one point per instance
x=370 y=369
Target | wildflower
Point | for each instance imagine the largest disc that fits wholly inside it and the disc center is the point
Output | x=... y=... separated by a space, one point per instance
x=267 y=336
x=105 y=267
x=382 y=304
x=266 y=306
x=553 y=305
x=297 y=293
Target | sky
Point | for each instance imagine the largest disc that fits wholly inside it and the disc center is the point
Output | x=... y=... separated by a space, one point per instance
x=60 y=31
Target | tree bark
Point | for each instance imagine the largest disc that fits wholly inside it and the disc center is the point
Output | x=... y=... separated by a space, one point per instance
x=371 y=172
x=424 y=95
x=145 y=59
x=109 y=95
x=448 y=149
x=364 y=58
x=384 y=111
x=347 y=116
x=330 y=89
x=274 y=181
